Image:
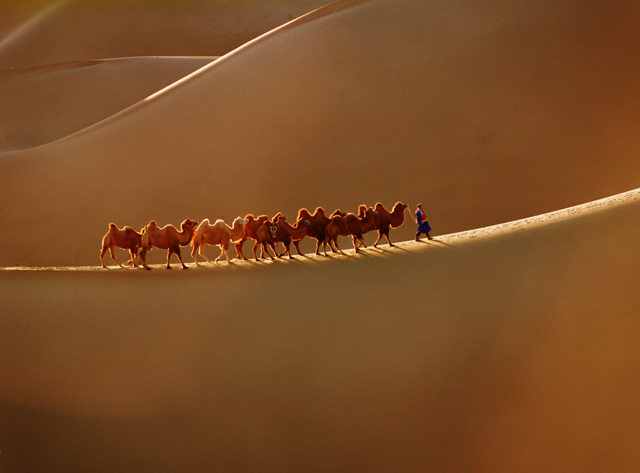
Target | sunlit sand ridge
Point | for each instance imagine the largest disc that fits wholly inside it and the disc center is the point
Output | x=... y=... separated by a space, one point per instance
x=509 y=343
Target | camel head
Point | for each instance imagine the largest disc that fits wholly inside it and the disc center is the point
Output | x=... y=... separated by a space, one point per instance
x=239 y=221
x=400 y=207
x=189 y=225
x=151 y=224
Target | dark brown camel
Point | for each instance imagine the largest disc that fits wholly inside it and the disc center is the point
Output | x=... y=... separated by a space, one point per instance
x=127 y=239
x=317 y=225
x=279 y=230
x=383 y=220
x=351 y=225
x=167 y=238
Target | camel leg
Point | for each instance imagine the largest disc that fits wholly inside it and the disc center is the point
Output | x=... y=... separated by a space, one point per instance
x=202 y=253
x=102 y=252
x=134 y=255
x=112 y=252
x=169 y=253
x=375 y=245
x=143 y=257
x=287 y=247
x=354 y=240
x=327 y=240
x=194 y=253
x=177 y=252
x=255 y=250
x=335 y=242
x=297 y=245
x=265 y=248
x=387 y=235
x=239 y=251
x=224 y=251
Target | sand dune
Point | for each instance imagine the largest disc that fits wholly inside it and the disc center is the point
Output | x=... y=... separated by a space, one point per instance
x=42 y=32
x=507 y=344
x=43 y=104
x=489 y=124
x=512 y=347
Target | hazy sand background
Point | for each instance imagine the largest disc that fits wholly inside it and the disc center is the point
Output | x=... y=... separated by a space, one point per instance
x=494 y=348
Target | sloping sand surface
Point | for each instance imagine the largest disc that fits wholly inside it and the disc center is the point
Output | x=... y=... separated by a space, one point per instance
x=43 y=104
x=508 y=343
x=42 y=32
x=498 y=349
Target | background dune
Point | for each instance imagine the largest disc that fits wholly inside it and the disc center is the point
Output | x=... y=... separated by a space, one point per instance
x=42 y=32
x=509 y=343
x=43 y=104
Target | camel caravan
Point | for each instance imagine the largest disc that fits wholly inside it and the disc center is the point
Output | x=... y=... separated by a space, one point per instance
x=265 y=232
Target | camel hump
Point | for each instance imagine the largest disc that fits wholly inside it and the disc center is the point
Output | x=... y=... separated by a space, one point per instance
x=113 y=226
x=303 y=213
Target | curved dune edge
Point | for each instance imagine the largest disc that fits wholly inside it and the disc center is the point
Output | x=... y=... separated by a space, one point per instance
x=458 y=238
x=319 y=13
x=44 y=104
x=36 y=32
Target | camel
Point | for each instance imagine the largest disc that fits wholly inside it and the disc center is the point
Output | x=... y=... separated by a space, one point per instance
x=127 y=239
x=250 y=230
x=384 y=219
x=217 y=234
x=351 y=225
x=279 y=230
x=166 y=238
x=318 y=224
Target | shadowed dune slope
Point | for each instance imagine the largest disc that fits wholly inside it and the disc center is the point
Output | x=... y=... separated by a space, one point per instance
x=41 y=32
x=43 y=104
x=496 y=350
x=485 y=111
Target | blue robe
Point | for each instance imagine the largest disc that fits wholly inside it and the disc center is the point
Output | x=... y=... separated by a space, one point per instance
x=423 y=227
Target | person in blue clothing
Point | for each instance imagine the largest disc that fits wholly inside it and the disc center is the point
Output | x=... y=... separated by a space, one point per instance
x=422 y=223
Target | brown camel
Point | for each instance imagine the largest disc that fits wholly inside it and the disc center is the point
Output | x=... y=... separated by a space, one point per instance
x=384 y=219
x=351 y=225
x=250 y=231
x=318 y=224
x=279 y=230
x=217 y=234
x=167 y=238
x=127 y=239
